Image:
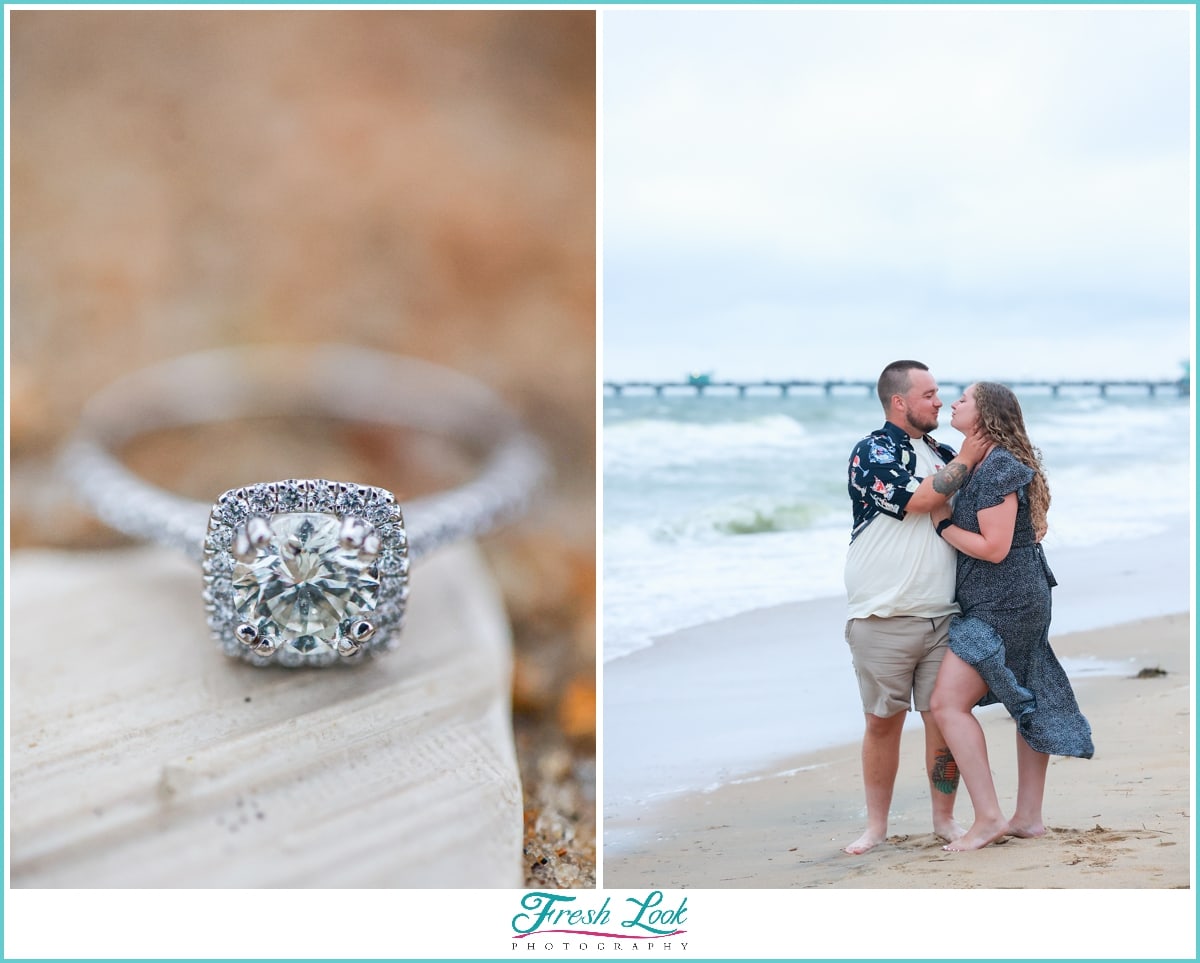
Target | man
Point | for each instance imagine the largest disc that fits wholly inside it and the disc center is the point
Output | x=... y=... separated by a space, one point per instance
x=900 y=586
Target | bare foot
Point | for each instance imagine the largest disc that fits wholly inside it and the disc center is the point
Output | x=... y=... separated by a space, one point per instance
x=1025 y=830
x=978 y=836
x=949 y=830
x=865 y=843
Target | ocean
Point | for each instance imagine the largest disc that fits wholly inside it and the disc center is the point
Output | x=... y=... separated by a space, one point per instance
x=717 y=504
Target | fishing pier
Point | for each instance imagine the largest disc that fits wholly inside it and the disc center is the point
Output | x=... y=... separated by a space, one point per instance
x=703 y=384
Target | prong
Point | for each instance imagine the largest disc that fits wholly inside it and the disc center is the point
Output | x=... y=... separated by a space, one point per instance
x=246 y=633
x=361 y=630
x=249 y=538
x=258 y=531
x=370 y=547
x=242 y=550
x=347 y=647
x=266 y=645
x=353 y=533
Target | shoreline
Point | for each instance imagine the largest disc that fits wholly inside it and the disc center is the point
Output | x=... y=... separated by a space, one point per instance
x=1120 y=820
x=733 y=697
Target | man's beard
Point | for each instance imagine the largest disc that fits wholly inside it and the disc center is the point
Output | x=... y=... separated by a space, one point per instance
x=924 y=426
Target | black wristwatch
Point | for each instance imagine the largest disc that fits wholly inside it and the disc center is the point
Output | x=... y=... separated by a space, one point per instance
x=942 y=526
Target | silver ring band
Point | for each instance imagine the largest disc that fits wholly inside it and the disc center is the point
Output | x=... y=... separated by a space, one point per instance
x=332 y=381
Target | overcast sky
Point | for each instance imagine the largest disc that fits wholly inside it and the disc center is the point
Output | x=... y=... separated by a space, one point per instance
x=815 y=192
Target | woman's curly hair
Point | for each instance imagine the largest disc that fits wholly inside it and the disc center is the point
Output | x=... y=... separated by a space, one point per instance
x=1001 y=420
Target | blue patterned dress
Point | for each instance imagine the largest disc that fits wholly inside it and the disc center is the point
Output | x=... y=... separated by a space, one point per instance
x=1003 y=631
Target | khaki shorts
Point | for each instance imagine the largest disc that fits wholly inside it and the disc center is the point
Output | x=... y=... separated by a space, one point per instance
x=896 y=660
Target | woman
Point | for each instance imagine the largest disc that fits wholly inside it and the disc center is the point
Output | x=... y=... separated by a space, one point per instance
x=999 y=647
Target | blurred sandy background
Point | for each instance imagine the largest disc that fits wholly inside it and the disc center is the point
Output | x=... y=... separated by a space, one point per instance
x=420 y=182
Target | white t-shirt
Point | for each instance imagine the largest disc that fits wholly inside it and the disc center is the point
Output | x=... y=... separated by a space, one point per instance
x=901 y=567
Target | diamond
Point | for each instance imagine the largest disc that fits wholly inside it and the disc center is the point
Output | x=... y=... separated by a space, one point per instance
x=382 y=511
x=291 y=496
x=303 y=585
x=299 y=586
x=233 y=509
x=221 y=563
x=219 y=538
x=352 y=500
x=322 y=496
x=393 y=561
x=261 y=499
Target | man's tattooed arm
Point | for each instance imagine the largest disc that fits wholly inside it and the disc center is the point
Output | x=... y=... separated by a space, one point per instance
x=950 y=479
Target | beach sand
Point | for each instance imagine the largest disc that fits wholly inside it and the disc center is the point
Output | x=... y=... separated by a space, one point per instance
x=1119 y=820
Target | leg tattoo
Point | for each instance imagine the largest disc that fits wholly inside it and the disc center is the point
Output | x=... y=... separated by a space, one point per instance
x=945 y=771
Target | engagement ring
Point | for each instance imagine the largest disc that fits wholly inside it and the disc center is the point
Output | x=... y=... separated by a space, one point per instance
x=304 y=571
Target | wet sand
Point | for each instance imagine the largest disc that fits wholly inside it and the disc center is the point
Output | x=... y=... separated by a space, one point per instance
x=1119 y=820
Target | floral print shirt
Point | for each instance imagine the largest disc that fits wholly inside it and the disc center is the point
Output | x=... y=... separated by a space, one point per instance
x=881 y=474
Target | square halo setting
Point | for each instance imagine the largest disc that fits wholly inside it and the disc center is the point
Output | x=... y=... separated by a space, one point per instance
x=305 y=572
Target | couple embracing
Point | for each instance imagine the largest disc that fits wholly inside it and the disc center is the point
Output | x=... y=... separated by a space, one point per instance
x=949 y=605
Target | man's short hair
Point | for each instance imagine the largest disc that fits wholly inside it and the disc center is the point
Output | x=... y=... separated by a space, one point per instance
x=895 y=380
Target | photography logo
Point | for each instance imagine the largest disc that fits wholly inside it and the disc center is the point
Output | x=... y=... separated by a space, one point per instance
x=552 y=921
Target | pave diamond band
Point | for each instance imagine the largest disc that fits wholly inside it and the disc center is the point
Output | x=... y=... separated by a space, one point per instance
x=304 y=571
